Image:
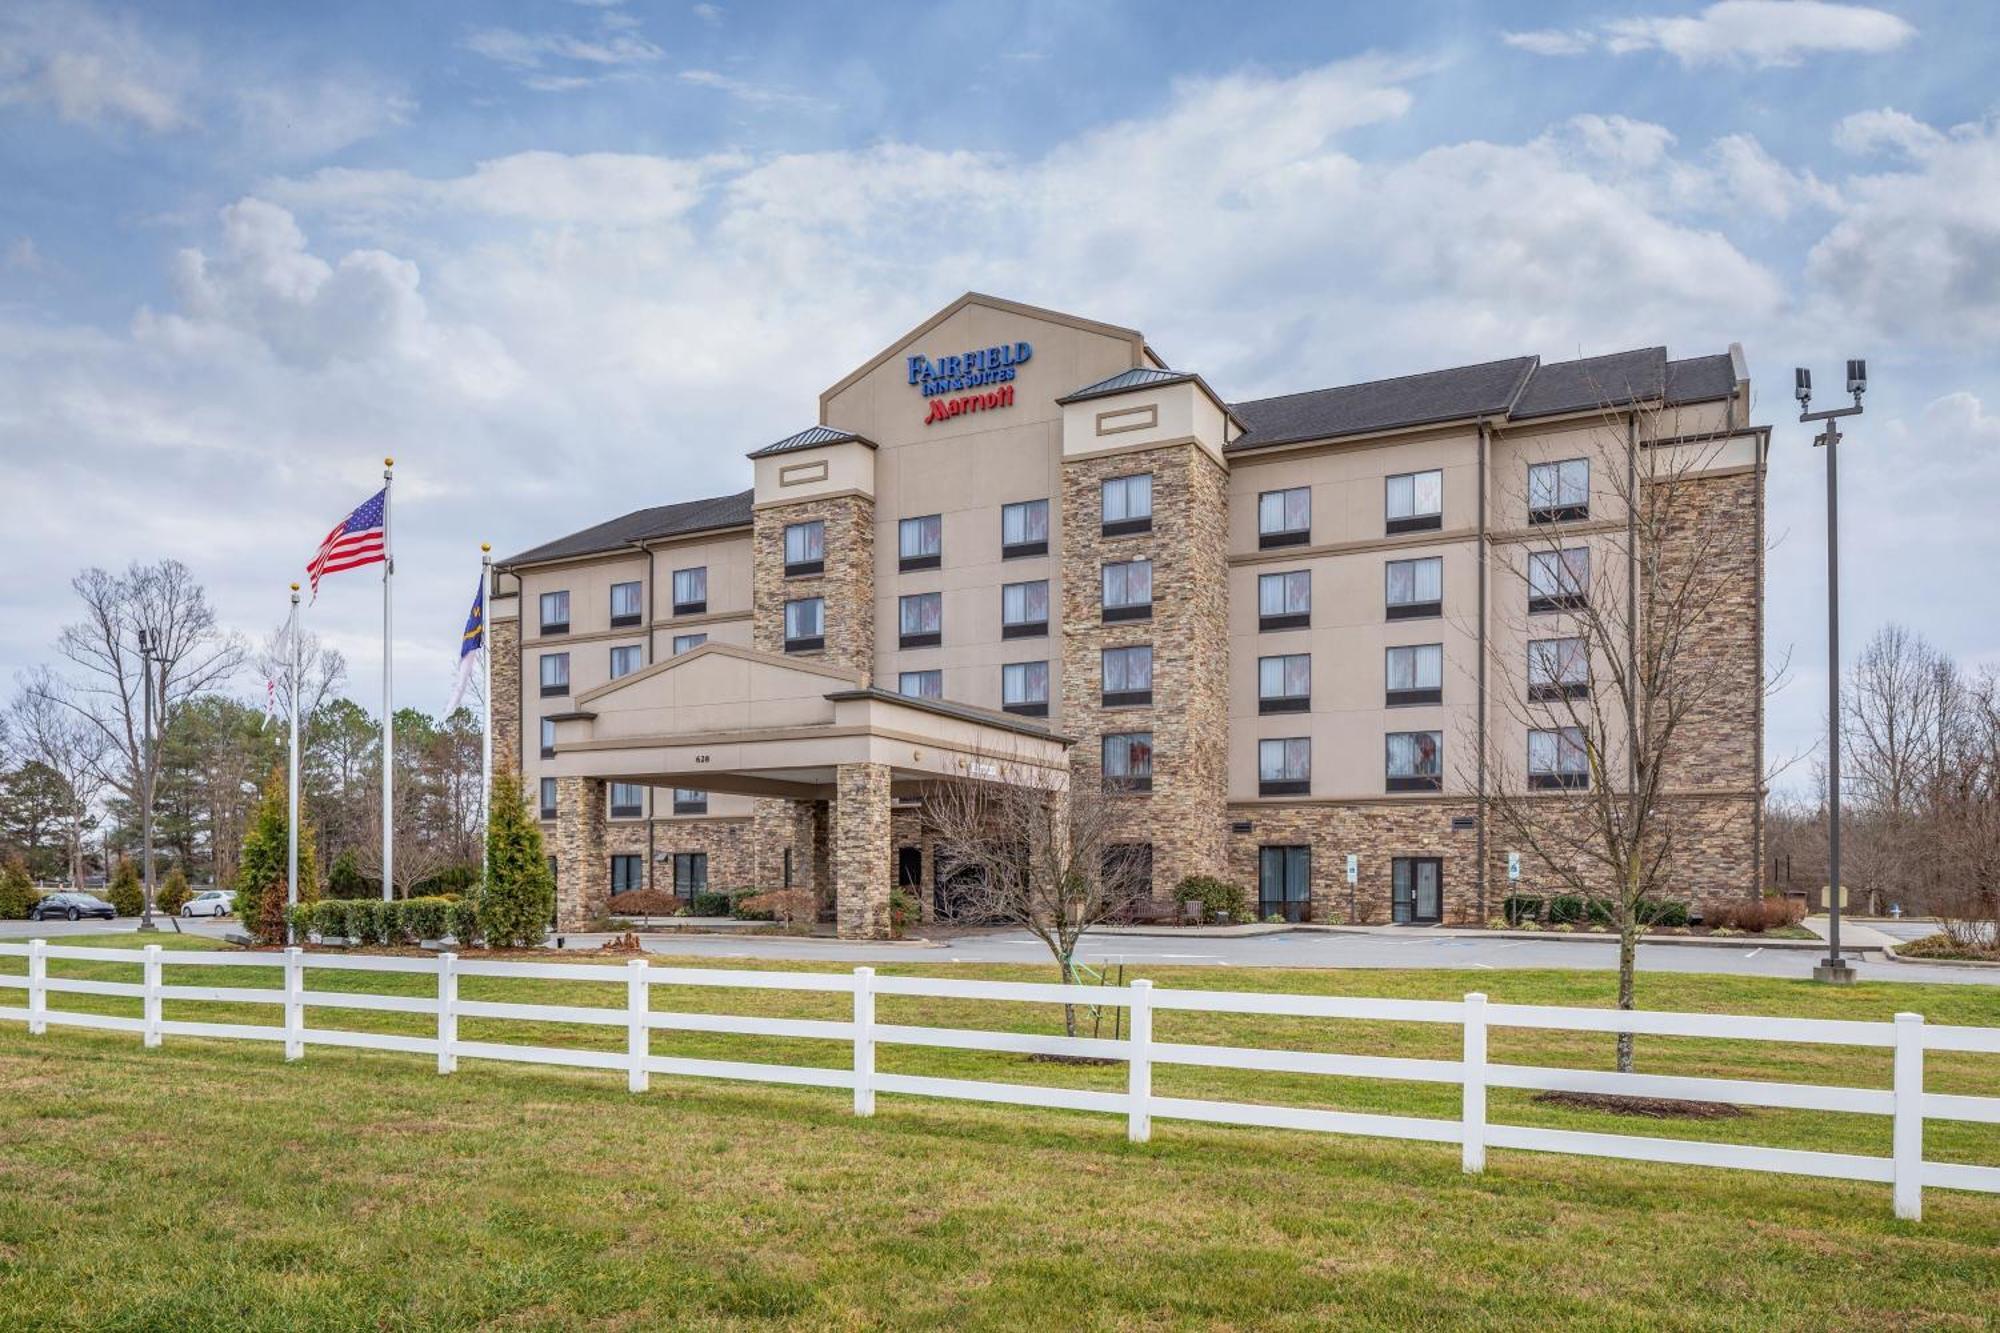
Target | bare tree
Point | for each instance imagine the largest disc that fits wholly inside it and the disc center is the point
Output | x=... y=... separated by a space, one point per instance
x=1035 y=849
x=69 y=746
x=1902 y=698
x=1961 y=824
x=322 y=673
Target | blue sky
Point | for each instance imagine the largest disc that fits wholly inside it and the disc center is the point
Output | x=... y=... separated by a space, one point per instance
x=247 y=250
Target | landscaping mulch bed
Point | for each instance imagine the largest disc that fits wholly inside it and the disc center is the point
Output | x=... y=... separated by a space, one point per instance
x=1648 y=1108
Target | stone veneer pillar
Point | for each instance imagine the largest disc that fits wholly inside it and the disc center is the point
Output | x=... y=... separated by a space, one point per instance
x=504 y=646
x=863 y=869
x=847 y=584
x=583 y=874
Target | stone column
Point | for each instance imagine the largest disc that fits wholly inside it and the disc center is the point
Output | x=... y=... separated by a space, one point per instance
x=808 y=866
x=504 y=643
x=583 y=872
x=863 y=860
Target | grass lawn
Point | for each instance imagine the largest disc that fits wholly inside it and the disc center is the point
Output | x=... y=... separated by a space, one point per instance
x=210 y=1184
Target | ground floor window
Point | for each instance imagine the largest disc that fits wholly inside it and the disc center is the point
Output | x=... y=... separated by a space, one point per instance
x=628 y=873
x=1416 y=890
x=690 y=873
x=1284 y=882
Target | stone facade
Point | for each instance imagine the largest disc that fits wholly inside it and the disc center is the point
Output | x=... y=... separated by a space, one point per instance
x=1376 y=832
x=583 y=865
x=863 y=862
x=847 y=584
x=504 y=653
x=727 y=842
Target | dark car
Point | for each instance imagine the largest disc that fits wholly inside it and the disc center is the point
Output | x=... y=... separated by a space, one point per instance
x=72 y=907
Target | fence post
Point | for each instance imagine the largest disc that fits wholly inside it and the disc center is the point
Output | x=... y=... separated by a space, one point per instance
x=447 y=1013
x=152 y=1001
x=864 y=1041
x=638 y=1037
x=38 y=987
x=1907 y=1138
x=1139 y=1065
x=295 y=1008
x=1472 y=1148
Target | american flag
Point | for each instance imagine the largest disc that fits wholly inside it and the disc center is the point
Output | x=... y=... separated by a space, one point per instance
x=356 y=540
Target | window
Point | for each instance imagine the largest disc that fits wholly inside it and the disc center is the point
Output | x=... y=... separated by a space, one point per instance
x=1558 y=757
x=1284 y=684
x=1125 y=871
x=921 y=542
x=1284 y=767
x=921 y=684
x=1558 y=669
x=1024 y=529
x=625 y=660
x=1415 y=675
x=1284 y=518
x=1559 y=492
x=690 y=802
x=1024 y=609
x=555 y=613
x=805 y=548
x=691 y=591
x=628 y=800
x=1415 y=501
x=1416 y=760
x=1284 y=883
x=690 y=874
x=805 y=625
x=1128 y=505
x=686 y=642
x=1128 y=761
x=555 y=674
x=628 y=873
x=1128 y=590
x=1128 y=676
x=548 y=738
x=548 y=798
x=1285 y=601
x=920 y=618
x=1415 y=588
x=1024 y=688
x=1559 y=580
x=626 y=604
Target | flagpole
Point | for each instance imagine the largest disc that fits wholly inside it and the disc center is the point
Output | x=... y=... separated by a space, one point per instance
x=292 y=778
x=388 y=694
x=486 y=694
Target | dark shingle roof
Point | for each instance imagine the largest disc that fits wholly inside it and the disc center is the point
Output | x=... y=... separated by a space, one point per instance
x=811 y=438
x=723 y=511
x=1592 y=382
x=1143 y=377
x=1408 y=400
x=1701 y=379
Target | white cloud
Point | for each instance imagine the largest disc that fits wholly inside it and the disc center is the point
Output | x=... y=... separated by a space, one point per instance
x=91 y=68
x=320 y=116
x=752 y=93
x=709 y=14
x=1551 y=41
x=554 y=62
x=1762 y=33
x=1885 y=130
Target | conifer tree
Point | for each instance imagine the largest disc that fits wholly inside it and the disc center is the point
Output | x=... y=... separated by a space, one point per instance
x=519 y=898
x=17 y=891
x=173 y=893
x=126 y=894
x=260 y=878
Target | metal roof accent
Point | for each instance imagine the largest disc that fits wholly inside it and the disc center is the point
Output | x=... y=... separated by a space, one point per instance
x=675 y=520
x=1142 y=378
x=812 y=438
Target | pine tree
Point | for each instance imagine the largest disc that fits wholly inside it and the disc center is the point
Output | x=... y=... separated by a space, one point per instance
x=260 y=877
x=127 y=894
x=519 y=898
x=173 y=893
x=17 y=891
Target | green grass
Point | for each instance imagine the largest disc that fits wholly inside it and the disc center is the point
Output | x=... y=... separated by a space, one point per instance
x=210 y=1184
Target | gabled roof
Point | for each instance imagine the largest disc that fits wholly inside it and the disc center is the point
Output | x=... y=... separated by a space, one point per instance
x=1593 y=382
x=812 y=437
x=1488 y=388
x=1143 y=378
x=641 y=525
x=1701 y=379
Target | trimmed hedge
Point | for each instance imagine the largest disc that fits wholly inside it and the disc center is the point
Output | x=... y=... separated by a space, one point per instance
x=709 y=904
x=1215 y=896
x=1521 y=907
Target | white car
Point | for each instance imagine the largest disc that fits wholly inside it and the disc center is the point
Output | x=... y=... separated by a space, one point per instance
x=210 y=902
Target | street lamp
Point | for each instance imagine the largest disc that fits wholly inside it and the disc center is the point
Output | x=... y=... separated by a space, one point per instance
x=149 y=646
x=1835 y=968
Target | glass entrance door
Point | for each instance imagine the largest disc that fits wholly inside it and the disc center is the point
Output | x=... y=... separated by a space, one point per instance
x=1284 y=883
x=1416 y=890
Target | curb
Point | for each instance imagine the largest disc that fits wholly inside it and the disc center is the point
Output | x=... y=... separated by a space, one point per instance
x=1247 y=930
x=1973 y=964
x=1569 y=937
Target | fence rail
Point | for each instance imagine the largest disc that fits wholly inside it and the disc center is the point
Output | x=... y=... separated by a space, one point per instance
x=1905 y=1103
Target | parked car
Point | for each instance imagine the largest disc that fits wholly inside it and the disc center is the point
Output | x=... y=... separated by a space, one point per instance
x=210 y=902
x=72 y=907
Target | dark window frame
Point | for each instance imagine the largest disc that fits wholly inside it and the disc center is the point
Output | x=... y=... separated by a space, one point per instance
x=1414 y=695
x=1558 y=512
x=688 y=805
x=694 y=606
x=1130 y=526
x=625 y=619
x=1124 y=612
x=548 y=733
x=546 y=798
x=1024 y=629
x=629 y=810
x=1125 y=785
x=687 y=883
x=795 y=569
x=1030 y=547
x=1284 y=619
x=627 y=857
x=548 y=626
x=804 y=643
x=1412 y=522
x=926 y=671
x=1412 y=610
x=1288 y=857
x=1277 y=537
x=1026 y=707
x=921 y=638
x=1129 y=698
x=1283 y=786
x=1408 y=782
x=556 y=691
x=1283 y=703
x=924 y=559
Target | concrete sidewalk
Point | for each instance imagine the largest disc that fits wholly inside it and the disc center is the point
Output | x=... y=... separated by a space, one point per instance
x=1853 y=934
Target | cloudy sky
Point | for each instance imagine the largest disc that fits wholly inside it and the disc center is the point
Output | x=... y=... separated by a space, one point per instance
x=564 y=259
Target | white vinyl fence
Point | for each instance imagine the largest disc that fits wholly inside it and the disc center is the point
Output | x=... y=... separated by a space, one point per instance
x=1906 y=1102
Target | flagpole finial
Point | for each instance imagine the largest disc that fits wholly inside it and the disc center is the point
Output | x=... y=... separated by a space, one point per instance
x=295 y=587
x=486 y=546
x=388 y=462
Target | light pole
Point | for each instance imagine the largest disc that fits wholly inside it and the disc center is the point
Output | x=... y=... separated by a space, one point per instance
x=149 y=643
x=1834 y=969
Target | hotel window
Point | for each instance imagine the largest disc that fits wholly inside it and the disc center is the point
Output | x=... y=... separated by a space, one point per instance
x=690 y=874
x=805 y=625
x=691 y=591
x=920 y=620
x=555 y=613
x=1024 y=688
x=1415 y=588
x=1128 y=676
x=1284 y=518
x=1128 y=505
x=625 y=604
x=1284 y=684
x=1128 y=590
x=1414 y=675
x=555 y=674
x=1024 y=529
x=1126 y=871
x=1284 y=767
x=688 y=642
x=1558 y=669
x=1416 y=760
x=921 y=684
x=548 y=738
x=1285 y=601
x=1559 y=580
x=548 y=798
x=687 y=801
x=1284 y=883
x=805 y=548
x=628 y=873
x=1559 y=492
x=1558 y=757
x=1414 y=501
x=920 y=542
x=1024 y=609
x=628 y=800
x=1128 y=761
x=625 y=660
